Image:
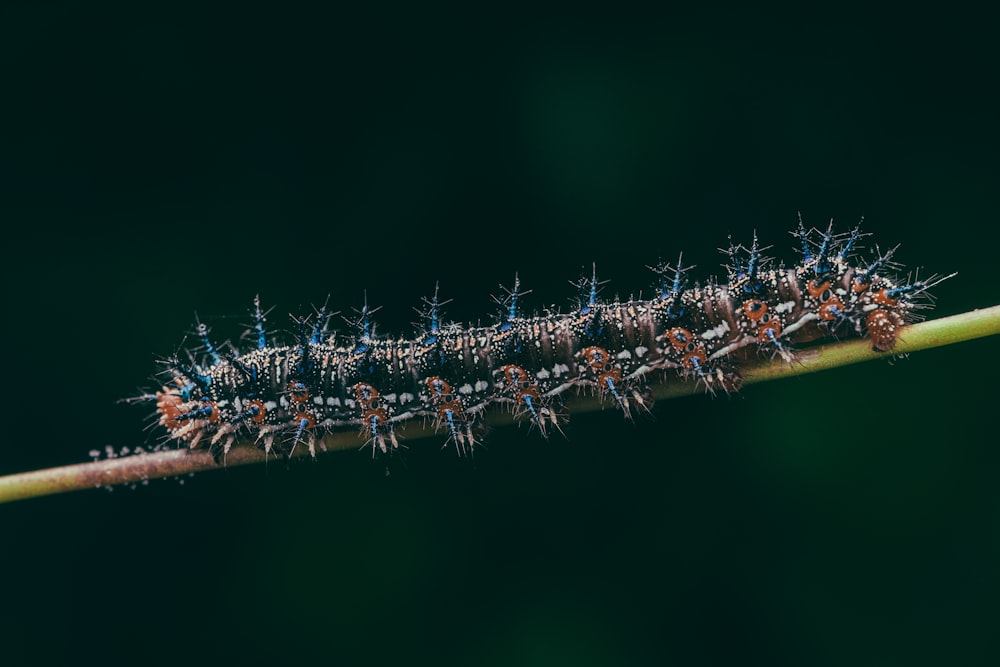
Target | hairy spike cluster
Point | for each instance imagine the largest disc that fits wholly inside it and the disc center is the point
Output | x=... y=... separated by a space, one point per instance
x=286 y=395
x=258 y=323
x=671 y=290
x=588 y=289
x=510 y=310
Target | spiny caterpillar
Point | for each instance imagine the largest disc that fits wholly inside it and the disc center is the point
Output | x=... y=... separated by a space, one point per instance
x=286 y=394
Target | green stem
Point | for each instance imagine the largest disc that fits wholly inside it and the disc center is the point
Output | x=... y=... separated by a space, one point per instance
x=132 y=469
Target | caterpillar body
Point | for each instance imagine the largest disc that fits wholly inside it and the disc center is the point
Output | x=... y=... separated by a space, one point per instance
x=288 y=394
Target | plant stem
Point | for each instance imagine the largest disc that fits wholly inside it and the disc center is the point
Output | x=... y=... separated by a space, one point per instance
x=132 y=469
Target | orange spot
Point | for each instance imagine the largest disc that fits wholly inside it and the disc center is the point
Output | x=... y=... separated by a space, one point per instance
x=378 y=414
x=309 y=419
x=754 y=309
x=168 y=404
x=297 y=392
x=365 y=394
x=830 y=308
x=531 y=391
x=816 y=288
x=859 y=286
x=261 y=411
x=883 y=299
x=515 y=374
x=679 y=337
x=774 y=326
x=698 y=355
x=882 y=326
x=597 y=357
x=454 y=407
x=614 y=375
x=437 y=386
x=519 y=382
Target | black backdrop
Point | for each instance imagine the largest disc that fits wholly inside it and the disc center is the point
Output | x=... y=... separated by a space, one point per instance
x=166 y=160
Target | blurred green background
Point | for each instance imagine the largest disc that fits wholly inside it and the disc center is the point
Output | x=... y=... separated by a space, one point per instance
x=166 y=159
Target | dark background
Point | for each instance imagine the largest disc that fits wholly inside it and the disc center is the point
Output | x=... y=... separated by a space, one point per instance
x=165 y=160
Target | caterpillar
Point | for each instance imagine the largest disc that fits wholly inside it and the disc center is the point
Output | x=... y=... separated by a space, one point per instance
x=285 y=394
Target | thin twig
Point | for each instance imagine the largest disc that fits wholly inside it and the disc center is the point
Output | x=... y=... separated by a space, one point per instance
x=133 y=469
